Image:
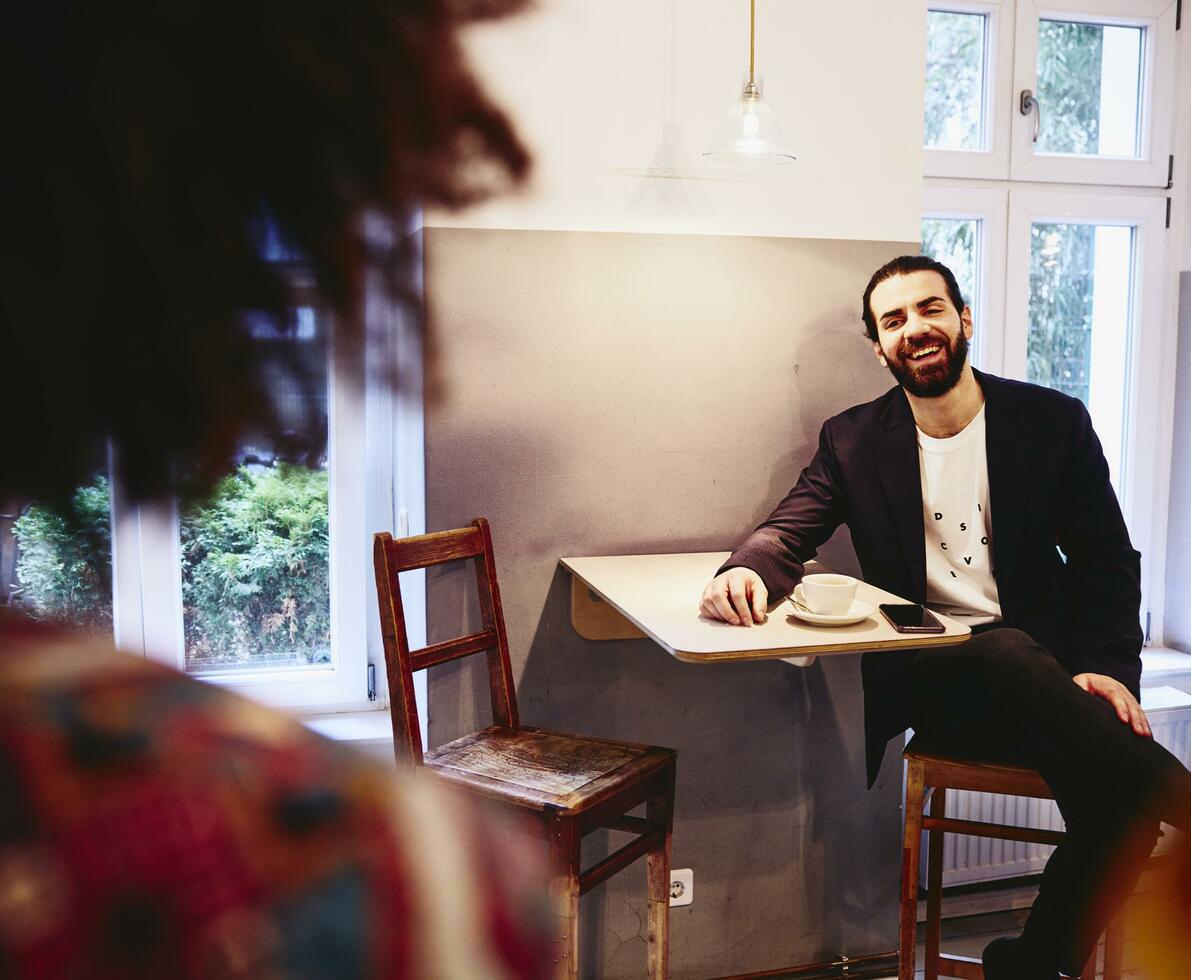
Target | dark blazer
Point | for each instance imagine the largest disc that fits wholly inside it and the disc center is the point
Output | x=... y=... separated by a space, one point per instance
x=1048 y=491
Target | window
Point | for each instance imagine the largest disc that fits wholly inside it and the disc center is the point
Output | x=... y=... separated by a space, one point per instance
x=1062 y=265
x=1071 y=91
x=255 y=556
x=1102 y=74
x=964 y=228
x=1089 y=79
x=955 y=242
x=966 y=115
x=1084 y=315
x=263 y=585
x=56 y=563
x=956 y=114
x=266 y=585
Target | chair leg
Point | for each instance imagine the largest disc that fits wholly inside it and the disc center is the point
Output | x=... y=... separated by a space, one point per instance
x=911 y=845
x=564 y=840
x=934 y=886
x=660 y=810
x=1089 y=968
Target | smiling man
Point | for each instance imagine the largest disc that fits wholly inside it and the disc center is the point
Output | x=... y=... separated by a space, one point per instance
x=956 y=487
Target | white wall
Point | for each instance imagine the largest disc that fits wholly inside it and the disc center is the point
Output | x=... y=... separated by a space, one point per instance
x=1182 y=154
x=617 y=99
x=1176 y=625
x=1176 y=631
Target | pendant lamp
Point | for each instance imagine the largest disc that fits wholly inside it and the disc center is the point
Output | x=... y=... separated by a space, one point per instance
x=749 y=134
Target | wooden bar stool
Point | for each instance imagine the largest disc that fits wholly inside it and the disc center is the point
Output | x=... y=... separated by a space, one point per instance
x=566 y=785
x=932 y=774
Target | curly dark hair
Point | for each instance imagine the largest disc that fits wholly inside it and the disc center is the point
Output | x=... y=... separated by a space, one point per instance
x=148 y=147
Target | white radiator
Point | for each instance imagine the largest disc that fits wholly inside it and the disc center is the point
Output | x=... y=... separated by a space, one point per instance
x=971 y=859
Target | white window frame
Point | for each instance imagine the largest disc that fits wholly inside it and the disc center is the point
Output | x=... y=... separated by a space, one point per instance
x=376 y=469
x=992 y=160
x=1150 y=169
x=396 y=464
x=1030 y=188
x=989 y=206
x=128 y=622
x=148 y=598
x=1149 y=376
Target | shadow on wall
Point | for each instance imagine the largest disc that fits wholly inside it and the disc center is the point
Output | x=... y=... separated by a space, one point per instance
x=769 y=759
x=661 y=394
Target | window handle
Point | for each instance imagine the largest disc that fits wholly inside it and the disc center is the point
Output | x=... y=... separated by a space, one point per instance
x=1030 y=104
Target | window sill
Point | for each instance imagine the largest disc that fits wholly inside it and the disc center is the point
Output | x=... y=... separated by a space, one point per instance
x=370 y=731
x=1161 y=666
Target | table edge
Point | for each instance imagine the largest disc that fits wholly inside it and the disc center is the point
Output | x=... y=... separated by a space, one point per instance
x=826 y=650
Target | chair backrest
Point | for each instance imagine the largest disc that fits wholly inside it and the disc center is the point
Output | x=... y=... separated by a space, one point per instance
x=391 y=556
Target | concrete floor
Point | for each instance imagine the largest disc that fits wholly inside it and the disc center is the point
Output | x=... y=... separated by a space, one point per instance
x=975 y=916
x=969 y=935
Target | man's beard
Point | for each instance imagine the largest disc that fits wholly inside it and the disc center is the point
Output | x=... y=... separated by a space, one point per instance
x=937 y=380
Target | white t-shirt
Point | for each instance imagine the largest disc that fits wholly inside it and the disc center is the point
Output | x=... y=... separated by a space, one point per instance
x=959 y=574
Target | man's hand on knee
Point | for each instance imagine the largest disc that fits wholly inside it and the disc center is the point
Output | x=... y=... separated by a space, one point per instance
x=1116 y=694
x=737 y=596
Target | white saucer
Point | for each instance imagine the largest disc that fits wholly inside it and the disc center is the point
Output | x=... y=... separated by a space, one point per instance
x=856 y=612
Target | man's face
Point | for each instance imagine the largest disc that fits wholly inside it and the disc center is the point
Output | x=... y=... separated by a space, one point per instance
x=921 y=337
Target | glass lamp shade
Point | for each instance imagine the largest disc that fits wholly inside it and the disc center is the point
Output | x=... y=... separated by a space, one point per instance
x=749 y=133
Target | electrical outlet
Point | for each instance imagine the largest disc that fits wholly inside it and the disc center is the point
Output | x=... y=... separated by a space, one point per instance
x=682 y=887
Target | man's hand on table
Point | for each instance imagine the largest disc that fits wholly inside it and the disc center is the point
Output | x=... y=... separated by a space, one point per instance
x=737 y=596
x=1116 y=694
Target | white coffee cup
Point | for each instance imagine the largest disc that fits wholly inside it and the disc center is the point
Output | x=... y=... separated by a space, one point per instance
x=828 y=594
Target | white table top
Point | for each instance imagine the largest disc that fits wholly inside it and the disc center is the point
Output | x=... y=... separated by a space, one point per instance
x=660 y=595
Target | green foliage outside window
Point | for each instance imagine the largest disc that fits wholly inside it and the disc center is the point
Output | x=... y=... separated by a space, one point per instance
x=954 y=80
x=1069 y=66
x=1062 y=266
x=1062 y=273
x=953 y=241
x=64 y=567
x=1062 y=269
x=1070 y=57
x=255 y=571
x=255 y=568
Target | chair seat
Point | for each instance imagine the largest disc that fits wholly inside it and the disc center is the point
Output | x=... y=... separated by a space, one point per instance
x=534 y=768
x=1009 y=774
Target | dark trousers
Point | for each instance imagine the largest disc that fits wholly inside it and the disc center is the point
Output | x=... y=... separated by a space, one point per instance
x=1003 y=697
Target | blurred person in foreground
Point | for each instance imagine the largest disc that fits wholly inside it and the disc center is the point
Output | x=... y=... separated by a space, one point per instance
x=1159 y=915
x=152 y=825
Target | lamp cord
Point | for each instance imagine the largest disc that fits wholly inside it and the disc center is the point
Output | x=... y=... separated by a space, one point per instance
x=752 y=34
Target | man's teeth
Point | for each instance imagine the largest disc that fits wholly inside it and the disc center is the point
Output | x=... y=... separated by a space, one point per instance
x=923 y=353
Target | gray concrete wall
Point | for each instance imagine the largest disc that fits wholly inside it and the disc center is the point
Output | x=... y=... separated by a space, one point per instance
x=1177 y=625
x=600 y=394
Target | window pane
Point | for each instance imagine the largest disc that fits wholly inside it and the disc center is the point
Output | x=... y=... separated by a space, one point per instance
x=1089 y=88
x=1080 y=284
x=57 y=565
x=954 y=242
x=955 y=80
x=255 y=556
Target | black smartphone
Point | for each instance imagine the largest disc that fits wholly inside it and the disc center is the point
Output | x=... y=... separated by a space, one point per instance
x=909 y=617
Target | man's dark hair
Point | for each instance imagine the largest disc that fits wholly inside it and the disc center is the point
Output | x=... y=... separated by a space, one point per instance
x=152 y=148
x=901 y=266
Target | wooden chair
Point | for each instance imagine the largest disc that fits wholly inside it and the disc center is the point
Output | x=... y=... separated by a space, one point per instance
x=567 y=785
x=931 y=774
